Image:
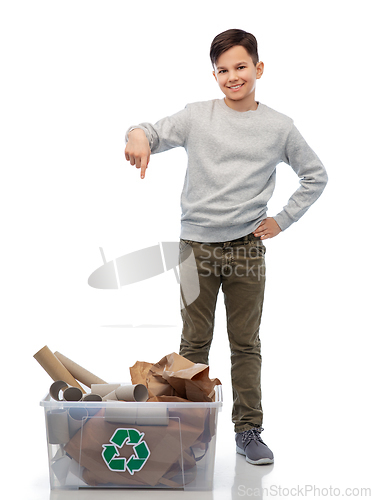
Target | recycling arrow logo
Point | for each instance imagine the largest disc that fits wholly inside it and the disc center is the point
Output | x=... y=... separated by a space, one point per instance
x=137 y=460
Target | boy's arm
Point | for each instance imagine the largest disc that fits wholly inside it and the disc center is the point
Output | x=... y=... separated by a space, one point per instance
x=312 y=174
x=145 y=139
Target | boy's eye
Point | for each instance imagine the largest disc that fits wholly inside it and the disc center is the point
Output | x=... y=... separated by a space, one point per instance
x=223 y=70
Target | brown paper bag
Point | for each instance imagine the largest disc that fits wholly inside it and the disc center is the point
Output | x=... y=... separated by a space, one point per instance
x=175 y=376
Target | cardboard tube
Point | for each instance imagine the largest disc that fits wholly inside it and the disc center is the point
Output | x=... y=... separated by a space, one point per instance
x=57 y=425
x=77 y=371
x=103 y=389
x=152 y=416
x=111 y=396
x=137 y=392
x=137 y=416
x=72 y=394
x=56 y=388
x=76 y=419
x=92 y=397
x=54 y=367
x=121 y=415
x=69 y=393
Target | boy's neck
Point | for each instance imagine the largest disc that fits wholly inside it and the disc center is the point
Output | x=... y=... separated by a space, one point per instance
x=242 y=105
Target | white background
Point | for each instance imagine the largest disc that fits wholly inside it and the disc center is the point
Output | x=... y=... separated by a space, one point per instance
x=75 y=76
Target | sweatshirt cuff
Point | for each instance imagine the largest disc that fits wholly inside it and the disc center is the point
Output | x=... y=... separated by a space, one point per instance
x=283 y=220
x=149 y=138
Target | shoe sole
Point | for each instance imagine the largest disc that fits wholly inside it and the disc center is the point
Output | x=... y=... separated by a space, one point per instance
x=261 y=461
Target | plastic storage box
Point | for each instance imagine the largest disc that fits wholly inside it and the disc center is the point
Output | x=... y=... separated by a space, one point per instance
x=116 y=444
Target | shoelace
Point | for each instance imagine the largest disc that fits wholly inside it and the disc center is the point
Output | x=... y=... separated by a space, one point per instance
x=252 y=435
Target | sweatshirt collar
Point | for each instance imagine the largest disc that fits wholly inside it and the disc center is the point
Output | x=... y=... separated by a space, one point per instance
x=240 y=114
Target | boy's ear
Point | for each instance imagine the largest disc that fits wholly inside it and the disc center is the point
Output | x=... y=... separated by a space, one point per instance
x=214 y=74
x=259 y=69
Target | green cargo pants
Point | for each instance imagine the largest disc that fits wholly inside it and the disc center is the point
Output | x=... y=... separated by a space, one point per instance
x=239 y=266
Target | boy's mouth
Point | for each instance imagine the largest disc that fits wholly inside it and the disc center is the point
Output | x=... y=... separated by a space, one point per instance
x=236 y=87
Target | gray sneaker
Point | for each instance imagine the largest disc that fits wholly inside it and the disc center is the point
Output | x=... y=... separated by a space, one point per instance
x=250 y=444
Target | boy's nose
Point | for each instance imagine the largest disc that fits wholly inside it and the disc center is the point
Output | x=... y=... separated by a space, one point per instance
x=233 y=77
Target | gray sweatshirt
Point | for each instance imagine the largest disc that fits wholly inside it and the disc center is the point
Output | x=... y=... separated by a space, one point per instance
x=232 y=159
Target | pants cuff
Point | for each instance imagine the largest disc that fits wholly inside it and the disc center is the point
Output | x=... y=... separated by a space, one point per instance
x=246 y=427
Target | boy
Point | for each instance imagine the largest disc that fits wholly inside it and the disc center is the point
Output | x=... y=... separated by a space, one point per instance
x=233 y=146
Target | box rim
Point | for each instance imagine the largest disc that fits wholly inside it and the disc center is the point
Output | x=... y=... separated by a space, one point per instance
x=49 y=403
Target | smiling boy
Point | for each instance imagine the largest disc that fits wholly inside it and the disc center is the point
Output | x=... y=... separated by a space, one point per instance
x=233 y=146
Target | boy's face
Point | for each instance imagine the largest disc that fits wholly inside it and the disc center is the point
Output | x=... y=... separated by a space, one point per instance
x=236 y=76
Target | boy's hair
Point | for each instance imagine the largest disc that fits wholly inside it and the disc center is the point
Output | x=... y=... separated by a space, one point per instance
x=227 y=39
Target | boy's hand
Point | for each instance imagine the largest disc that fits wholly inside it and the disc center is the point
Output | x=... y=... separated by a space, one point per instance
x=137 y=151
x=267 y=229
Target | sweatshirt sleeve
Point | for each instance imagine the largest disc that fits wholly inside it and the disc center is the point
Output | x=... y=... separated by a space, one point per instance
x=312 y=174
x=169 y=132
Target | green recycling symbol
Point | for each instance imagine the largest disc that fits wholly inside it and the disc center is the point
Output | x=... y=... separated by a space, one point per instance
x=136 y=461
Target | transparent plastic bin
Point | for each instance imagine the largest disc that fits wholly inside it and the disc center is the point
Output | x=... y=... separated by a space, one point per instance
x=116 y=444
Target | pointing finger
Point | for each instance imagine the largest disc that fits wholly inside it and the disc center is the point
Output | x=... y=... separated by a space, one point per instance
x=144 y=163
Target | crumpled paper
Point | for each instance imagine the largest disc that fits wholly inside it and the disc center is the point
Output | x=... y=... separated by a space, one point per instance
x=175 y=378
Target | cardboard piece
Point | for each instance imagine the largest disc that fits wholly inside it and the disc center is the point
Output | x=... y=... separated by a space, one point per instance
x=77 y=371
x=175 y=377
x=54 y=367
